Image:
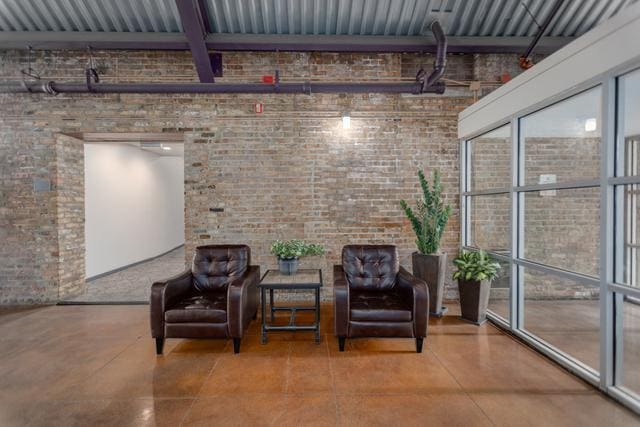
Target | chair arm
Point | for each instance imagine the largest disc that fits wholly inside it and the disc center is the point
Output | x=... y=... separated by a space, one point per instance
x=416 y=291
x=341 y=301
x=242 y=300
x=163 y=294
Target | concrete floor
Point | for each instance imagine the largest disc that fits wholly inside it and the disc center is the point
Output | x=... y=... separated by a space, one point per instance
x=95 y=365
x=573 y=326
x=133 y=284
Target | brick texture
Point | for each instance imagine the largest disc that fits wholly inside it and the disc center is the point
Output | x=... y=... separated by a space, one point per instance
x=69 y=190
x=561 y=228
x=291 y=172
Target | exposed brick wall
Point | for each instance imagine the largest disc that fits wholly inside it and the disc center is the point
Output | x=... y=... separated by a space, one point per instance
x=69 y=190
x=490 y=68
x=290 y=172
x=28 y=218
x=561 y=228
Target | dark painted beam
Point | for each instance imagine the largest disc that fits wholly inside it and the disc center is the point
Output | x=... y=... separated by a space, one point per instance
x=194 y=28
x=261 y=42
x=79 y=40
x=204 y=12
x=427 y=44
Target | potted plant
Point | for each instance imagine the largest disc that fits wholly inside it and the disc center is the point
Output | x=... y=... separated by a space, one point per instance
x=475 y=272
x=428 y=222
x=290 y=251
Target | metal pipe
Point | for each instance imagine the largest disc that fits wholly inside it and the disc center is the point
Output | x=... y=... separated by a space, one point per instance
x=431 y=84
x=441 y=56
x=525 y=61
x=195 y=88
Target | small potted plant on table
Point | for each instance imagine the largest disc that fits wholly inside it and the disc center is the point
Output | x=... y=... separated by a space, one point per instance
x=428 y=222
x=289 y=253
x=475 y=272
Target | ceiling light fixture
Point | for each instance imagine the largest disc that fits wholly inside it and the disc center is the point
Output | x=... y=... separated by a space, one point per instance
x=164 y=147
x=346 y=121
x=590 y=125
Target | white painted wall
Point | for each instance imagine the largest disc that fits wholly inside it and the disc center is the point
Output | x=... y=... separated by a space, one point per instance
x=134 y=205
x=609 y=45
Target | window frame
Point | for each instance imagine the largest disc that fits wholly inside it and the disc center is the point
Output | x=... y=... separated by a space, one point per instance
x=612 y=239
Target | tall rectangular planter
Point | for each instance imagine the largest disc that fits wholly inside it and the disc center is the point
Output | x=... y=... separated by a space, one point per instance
x=432 y=269
x=474 y=300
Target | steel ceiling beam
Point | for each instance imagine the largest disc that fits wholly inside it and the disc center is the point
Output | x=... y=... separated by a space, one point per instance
x=79 y=40
x=193 y=23
x=261 y=42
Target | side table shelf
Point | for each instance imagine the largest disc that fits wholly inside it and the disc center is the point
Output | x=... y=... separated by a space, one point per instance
x=306 y=279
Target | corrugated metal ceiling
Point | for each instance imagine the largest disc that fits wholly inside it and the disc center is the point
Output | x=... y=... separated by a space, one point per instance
x=497 y=18
x=90 y=15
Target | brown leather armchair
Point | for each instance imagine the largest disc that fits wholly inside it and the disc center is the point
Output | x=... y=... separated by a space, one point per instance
x=375 y=297
x=216 y=298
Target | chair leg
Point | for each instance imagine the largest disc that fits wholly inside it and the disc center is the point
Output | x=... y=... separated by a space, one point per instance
x=159 y=345
x=236 y=345
x=419 y=342
x=341 y=343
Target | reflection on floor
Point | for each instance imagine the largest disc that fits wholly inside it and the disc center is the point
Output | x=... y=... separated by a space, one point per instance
x=573 y=326
x=95 y=365
x=133 y=284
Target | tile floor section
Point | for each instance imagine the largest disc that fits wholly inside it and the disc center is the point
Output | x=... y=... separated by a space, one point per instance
x=95 y=365
x=133 y=284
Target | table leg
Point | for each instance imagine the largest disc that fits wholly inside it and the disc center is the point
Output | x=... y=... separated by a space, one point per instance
x=318 y=316
x=263 y=336
x=273 y=311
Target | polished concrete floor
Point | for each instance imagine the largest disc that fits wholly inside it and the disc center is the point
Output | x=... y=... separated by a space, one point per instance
x=133 y=284
x=573 y=326
x=95 y=365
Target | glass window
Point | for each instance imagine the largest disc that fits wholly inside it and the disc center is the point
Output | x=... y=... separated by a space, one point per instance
x=490 y=160
x=564 y=313
x=628 y=197
x=499 y=294
x=629 y=346
x=489 y=222
x=627 y=244
x=562 y=228
x=562 y=142
x=629 y=123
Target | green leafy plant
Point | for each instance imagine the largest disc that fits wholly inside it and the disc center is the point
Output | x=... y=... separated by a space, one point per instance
x=431 y=215
x=476 y=266
x=290 y=249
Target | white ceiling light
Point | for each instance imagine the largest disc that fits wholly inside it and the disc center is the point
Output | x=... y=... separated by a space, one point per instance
x=346 y=121
x=590 y=125
x=164 y=147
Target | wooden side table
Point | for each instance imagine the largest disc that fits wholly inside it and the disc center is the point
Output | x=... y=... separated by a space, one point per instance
x=310 y=279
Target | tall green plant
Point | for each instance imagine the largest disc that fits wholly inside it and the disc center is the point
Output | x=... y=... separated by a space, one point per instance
x=431 y=215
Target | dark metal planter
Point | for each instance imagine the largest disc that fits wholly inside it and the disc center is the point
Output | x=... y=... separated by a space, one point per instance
x=474 y=299
x=432 y=269
x=288 y=266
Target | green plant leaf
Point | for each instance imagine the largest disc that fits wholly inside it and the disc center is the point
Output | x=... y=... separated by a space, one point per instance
x=430 y=216
x=476 y=265
x=295 y=249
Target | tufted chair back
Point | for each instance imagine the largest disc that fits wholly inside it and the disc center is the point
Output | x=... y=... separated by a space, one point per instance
x=215 y=266
x=370 y=267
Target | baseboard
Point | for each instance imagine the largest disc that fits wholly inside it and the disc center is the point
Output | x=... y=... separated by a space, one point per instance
x=97 y=276
x=103 y=303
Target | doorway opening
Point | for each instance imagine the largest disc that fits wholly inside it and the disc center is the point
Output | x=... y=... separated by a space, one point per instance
x=133 y=215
